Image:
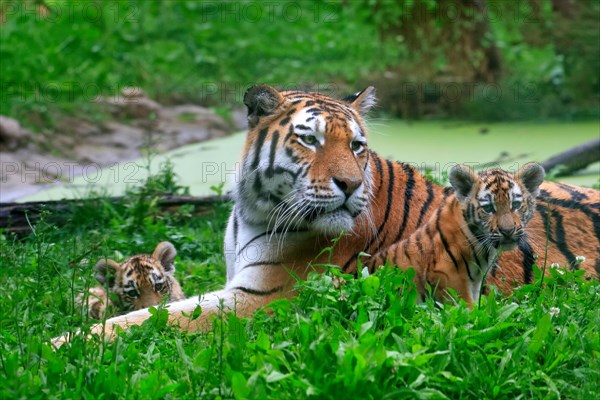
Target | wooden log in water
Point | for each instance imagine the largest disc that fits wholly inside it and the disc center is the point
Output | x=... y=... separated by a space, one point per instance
x=21 y=217
x=574 y=159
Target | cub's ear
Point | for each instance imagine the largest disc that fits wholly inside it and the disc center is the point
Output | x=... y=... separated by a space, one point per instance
x=106 y=269
x=261 y=100
x=462 y=179
x=531 y=176
x=165 y=253
x=362 y=101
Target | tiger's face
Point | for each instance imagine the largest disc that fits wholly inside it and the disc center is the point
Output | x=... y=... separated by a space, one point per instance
x=306 y=162
x=497 y=204
x=142 y=280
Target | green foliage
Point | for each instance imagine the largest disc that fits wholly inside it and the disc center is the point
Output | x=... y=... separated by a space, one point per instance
x=60 y=56
x=365 y=338
x=208 y=52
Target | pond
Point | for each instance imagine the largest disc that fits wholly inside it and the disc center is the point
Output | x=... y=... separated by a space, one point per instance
x=433 y=145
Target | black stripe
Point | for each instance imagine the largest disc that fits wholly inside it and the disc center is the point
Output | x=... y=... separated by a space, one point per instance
x=467 y=267
x=290 y=154
x=594 y=217
x=260 y=140
x=528 y=260
x=572 y=204
x=261 y=263
x=268 y=233
x=379 y=167
x=252 y=240
x=257 y=184
x=575 y=195
x=445 y=242
x=561 y=240
x=284 y=121
x=258 y=292
x=288 y=135
x=427 y=203
x=390 y=201
x=366 y=161
x=235 y=228
x=390 y=194
x=274 y=140
x=476 y=256
x=282 y=170
x=408 y=192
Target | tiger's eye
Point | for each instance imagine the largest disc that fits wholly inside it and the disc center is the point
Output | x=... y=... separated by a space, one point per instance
x=159 y=286
x=516 y=205
x=356 y=146
x=309 y=139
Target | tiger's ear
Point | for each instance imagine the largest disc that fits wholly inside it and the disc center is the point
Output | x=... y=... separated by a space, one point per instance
x=261 y=100
x=462 y=179
x=106 y=269
x=362 y=101
x=165 y=253
x=531 y=176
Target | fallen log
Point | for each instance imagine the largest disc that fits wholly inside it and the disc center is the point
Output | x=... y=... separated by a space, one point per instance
x=574 y=159
x=20 y=218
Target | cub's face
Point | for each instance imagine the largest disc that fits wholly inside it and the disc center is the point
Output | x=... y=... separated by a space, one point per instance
x=306 y=161
x=496 y=204
x=142 y=280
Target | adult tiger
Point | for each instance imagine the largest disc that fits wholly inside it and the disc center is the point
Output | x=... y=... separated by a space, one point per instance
x=308 y=175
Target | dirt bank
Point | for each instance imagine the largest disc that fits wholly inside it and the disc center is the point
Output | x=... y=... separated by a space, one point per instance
x=30 y=161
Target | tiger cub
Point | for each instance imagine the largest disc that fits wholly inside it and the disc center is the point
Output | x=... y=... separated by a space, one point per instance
x=485 y=215
x=138 y=282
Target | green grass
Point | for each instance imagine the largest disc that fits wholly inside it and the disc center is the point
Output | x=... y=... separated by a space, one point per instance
x=365 y=339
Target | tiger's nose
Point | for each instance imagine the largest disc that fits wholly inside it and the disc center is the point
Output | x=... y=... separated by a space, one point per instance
x=507 y=232
x=347 y=185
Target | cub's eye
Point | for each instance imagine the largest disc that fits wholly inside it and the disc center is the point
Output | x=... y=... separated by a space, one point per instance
x=158 y=286
x=516 y=205
x=357 y=146
x=310 y=140
x=488 y=208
